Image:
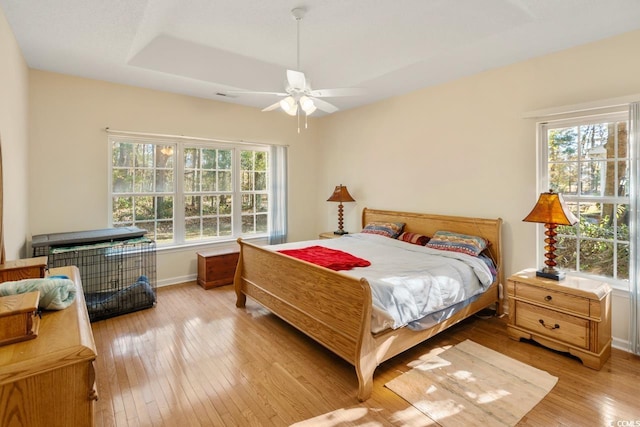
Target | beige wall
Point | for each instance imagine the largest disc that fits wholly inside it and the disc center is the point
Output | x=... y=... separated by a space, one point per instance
x=14 y=140
x=69 y=151
x=463 y=148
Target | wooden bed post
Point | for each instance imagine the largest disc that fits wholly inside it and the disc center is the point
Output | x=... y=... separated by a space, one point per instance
x=364 y=369
x=241 y=298
x=366 y=360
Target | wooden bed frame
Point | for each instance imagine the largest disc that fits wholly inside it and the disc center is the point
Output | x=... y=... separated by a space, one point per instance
x=335 y=309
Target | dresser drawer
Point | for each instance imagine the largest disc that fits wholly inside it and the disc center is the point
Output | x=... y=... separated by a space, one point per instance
x=562 y=327
x=553 y=299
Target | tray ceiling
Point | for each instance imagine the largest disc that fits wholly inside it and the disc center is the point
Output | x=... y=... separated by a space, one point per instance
x=204 y=48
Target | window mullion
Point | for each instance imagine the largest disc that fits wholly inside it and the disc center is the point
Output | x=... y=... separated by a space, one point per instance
x=236 y=171
x=178 y=206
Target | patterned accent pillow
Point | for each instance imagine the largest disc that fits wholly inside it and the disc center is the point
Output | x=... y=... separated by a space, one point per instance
x=415 y=238
x=388 y=229
x=456 y=242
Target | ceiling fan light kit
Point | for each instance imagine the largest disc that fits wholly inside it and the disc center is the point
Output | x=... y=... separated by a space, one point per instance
x=298 y=95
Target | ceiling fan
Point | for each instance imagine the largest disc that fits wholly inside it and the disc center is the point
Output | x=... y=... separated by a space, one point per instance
x=298 y=95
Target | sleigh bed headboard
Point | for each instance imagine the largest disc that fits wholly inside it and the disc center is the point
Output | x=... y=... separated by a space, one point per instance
x=428 y=224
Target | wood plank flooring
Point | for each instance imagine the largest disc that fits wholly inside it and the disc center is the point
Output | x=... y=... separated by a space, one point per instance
x=197 y=360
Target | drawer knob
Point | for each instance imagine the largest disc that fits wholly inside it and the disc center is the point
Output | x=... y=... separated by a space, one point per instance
x=556 y=326
x=548 y=298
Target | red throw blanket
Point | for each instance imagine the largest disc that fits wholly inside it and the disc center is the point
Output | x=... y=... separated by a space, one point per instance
x=326 y=257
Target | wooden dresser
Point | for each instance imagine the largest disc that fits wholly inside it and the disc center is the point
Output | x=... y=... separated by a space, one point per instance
x=50 y=380
x=571 y=315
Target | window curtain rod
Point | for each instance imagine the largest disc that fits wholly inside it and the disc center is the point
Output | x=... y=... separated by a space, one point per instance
x=187 y=138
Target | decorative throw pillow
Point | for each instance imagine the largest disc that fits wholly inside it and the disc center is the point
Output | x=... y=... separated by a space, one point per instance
x=415 y=238
x=456 y=242
x=388 y=229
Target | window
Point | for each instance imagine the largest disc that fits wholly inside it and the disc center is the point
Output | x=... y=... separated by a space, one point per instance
x=587 y=161
x=188 y=191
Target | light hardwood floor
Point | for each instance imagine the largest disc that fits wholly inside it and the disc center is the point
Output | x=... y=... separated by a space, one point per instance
x=197 y=360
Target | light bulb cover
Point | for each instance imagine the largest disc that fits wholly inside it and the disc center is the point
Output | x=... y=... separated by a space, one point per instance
x=307 y=105
x=289 y=105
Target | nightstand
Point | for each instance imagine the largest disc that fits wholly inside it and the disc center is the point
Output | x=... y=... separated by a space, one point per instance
x=570 y=315
x=329 y=235
x=217 y=268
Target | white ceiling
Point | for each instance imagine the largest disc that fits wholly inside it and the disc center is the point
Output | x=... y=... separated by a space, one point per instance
x=207 y=47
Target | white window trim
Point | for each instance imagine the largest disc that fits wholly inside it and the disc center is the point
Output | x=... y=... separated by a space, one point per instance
x=609 y=105
x=181 y=140
x=570 y=116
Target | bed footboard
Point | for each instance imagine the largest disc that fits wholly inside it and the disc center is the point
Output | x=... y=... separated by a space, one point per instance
x=332 y=308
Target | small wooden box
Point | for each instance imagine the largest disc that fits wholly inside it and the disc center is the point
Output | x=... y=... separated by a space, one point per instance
x=19 y=319
x=216 y=268
x=28 y=268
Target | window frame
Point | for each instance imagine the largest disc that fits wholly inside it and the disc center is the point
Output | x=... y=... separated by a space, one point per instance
x=543 y=181
x=180 y=144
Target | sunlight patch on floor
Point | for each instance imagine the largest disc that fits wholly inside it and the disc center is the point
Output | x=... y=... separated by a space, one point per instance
x=440 y=409
x=491 y=396
x=411 y=417
x=337 y=417
x=429 y=355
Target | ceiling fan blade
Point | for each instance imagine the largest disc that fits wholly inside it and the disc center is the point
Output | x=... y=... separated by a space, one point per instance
x=328 y=93
x=324 y=105
x=296 y=80
x=272 y=106
x=251 y=92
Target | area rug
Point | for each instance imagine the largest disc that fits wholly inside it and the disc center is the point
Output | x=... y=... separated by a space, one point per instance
x=469 y=384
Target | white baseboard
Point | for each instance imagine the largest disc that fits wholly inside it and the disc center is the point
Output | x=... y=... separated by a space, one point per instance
x=620 y=344
x=177 y=280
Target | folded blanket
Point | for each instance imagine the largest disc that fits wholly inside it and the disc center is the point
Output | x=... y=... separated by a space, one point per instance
x=326 y=257
x=56 y=293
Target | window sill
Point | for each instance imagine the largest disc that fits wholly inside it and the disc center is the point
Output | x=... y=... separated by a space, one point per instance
x=218 y=244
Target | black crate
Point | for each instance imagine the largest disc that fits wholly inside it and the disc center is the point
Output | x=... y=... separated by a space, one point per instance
x=118 y=276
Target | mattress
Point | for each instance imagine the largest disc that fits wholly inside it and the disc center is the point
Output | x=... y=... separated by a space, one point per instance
x=409 y=283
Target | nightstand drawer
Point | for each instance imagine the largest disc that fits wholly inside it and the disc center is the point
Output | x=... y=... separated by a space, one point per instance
x=552 y=299
x=562 y=327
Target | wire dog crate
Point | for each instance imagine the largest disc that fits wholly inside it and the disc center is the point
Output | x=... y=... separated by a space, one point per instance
x=117 y=267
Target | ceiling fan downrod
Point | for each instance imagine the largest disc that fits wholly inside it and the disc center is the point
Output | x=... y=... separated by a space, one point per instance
x=298 y=14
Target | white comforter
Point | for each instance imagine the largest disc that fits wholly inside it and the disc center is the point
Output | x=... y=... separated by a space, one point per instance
x=407 y=281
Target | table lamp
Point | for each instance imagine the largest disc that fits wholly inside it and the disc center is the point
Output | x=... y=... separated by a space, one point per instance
x=551 y=211
x=340 y=194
